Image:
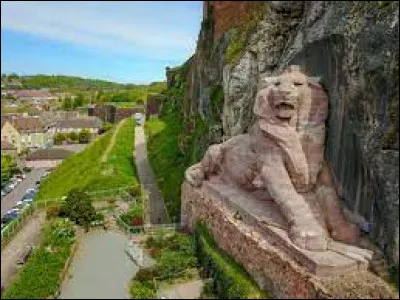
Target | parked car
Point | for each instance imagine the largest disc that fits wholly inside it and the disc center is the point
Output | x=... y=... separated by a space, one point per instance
x=21 y=176
x=12 y=185
x=7 y=189
x=29 y=195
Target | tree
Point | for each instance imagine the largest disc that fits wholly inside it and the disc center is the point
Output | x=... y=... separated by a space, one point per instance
x=106 y=126
x=78 y=101
x=59 y=138
x=13 y=76
x=78 y=208
x=67 y=103
x=8 y=167
x=73 y=136
x=84 y=136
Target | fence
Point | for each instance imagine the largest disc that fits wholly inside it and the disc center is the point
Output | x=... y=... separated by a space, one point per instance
x=8 y=232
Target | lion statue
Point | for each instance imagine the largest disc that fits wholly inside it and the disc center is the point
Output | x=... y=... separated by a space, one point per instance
x=282 y=158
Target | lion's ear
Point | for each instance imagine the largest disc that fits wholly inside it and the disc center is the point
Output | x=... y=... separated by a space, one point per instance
x=314 y=81
x=261 y=102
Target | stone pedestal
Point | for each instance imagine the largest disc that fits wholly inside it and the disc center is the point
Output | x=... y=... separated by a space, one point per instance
x=254 y=233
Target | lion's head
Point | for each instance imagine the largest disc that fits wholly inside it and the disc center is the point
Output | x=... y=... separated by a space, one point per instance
x=285 y=99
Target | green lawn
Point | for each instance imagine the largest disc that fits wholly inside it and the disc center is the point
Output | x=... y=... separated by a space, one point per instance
x=85 y=170
x=166 y=159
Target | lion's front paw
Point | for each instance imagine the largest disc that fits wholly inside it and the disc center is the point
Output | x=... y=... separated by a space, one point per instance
x=309 y=236
x=194 y=175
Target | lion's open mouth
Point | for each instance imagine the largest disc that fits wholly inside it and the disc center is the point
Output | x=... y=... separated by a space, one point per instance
x=285 y=110
x=284 y=106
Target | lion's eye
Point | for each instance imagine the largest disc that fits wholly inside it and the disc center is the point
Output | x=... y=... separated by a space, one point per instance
x=277 y=83
x=297 y=83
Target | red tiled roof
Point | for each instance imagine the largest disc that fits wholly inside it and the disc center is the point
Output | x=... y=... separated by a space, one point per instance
x=24 y=124
x=30 y=93
x=5 y=145
x=80 y=123
x=49 y=154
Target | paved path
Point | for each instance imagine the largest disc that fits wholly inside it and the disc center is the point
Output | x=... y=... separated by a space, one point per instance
x=100 y=268
x=186 y=290
x=158 y=211
x=16 y=194
x=29 y=235
x=112 y=141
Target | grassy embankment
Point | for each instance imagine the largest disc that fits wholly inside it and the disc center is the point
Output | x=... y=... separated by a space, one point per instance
x=86 y=170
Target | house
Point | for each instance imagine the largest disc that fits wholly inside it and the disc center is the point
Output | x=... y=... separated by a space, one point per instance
x=8 y=148
x=33 y=95
x=93 y=124
x=106 y=112
x=25 y=132
x=111 y=114
x=47 y=158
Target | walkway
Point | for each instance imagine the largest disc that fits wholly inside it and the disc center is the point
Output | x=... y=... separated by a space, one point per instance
x=112 y=141
x=29 y=235
x=100 y=268
x=158 y=211
x=186 y=290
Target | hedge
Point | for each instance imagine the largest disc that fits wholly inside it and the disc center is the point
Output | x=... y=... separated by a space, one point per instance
x=229 y=279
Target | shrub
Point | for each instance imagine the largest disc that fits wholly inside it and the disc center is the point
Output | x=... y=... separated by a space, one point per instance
x=78 y=207
x=106 y=126
x=137 y=221
x=142 y=290
x=27 y=169
x=73 y=136
x=84 y=136
x=53 y=211
x=146 y=274
x=136 y=190
x=59 y=138
x=230 y=280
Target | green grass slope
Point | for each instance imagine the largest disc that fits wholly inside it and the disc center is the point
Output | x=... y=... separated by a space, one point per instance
x=85 y=170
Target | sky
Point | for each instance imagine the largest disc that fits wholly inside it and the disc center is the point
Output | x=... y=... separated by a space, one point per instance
x=121 y=41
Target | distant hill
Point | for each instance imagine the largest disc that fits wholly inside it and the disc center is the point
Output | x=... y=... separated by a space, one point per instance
x=70 y=82
x=103 y=90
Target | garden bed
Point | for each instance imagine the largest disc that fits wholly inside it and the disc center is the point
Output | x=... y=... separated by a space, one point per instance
x=41 y=276
x=175 y=257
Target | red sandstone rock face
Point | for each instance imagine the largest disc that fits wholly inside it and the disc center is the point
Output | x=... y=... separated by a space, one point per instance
x=226 y=14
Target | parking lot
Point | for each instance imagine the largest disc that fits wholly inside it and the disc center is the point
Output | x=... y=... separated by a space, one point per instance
x=11 y=199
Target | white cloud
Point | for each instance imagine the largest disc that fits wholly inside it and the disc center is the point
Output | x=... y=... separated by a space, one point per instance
x=148 y=30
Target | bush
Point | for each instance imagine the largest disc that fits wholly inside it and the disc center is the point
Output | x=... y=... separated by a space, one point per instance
x=142 y=290
x=78 y=208
x=59 y=138
x=146 y=274
x=73 y=136
x=27 y=169
x=136 y=190
x=106 y=126
x=230 y=280
x=84 y=136
x=53 y=211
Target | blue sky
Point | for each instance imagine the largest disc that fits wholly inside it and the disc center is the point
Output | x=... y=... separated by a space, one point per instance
x=130 y=42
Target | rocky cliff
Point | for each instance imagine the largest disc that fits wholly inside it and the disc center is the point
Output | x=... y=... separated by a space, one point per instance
x=351 y=46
